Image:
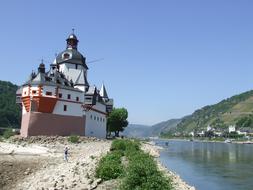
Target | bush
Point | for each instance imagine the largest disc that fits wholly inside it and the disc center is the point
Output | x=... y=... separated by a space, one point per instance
x=140 y=173
x=110 y=166
x=118 y=145
x=125 y=145
x=8 y=133
x=73 y=139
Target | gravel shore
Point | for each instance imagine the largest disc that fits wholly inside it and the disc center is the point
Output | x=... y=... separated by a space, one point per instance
x=37 y=164
x=42 y=167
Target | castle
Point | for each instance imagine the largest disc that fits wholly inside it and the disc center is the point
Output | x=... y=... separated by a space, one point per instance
x=61 y=101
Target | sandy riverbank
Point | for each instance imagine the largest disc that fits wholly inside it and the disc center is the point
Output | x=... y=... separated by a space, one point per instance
x=177 y=182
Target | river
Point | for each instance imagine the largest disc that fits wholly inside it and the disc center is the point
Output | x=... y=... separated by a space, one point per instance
x=210 y=166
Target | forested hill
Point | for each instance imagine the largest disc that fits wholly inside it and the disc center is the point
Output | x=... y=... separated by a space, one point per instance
x=237 y=110
x=138 y=131
x=10 y=113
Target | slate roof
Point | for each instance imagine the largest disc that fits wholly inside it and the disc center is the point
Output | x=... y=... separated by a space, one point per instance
x=52 y=78
x=75 y=57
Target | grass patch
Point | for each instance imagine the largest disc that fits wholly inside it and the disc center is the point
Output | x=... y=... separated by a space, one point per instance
x=140 y=173
x=73 y=139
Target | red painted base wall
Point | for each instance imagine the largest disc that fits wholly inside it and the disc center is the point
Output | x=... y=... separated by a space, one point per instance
x=36 y=123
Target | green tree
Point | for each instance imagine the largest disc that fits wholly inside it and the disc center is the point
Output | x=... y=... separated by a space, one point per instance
x=10 y=112
x=117 y=121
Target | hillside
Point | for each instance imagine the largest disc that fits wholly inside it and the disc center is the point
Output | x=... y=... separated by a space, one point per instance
x=10 y=114
x=236 y=110
x=164 y=127
x=137 y=131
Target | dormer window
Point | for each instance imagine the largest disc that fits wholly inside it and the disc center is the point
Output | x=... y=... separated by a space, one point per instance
x=66 y=56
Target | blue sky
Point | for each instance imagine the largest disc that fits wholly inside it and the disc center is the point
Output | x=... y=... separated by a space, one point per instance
x=161 y=59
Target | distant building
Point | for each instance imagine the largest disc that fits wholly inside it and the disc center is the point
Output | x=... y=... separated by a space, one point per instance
x=61 y=101
x=201 y=134
x=209 y=128
x=241 y=132
x=231 y=128
x=218 y=133
x=191 y=133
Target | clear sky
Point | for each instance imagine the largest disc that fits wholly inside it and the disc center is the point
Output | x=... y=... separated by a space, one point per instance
x=162 y=59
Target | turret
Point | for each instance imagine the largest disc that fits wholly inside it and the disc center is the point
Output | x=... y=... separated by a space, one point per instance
x=41 y=68
x=72 y=41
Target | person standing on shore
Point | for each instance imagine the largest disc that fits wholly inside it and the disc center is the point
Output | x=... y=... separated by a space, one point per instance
x=66 y=153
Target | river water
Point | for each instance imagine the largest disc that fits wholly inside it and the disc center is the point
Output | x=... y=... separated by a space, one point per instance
x=210 y=166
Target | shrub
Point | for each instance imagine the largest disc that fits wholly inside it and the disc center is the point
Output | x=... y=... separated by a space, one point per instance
x=141 y=172
x=125 y=145
x=8 y=133
x=110 y=166
x=73 y=139
x=118 y=145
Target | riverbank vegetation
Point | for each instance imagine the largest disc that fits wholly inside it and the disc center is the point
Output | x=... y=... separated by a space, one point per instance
x=134 y=168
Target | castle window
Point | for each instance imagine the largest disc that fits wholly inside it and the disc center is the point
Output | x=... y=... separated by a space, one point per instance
x=25 y=93
x=60 y=95
x=69 y=96
x=77 y=99
x=101 y=119
x=65 y=108
x=76 y=66
x=98 y=118
x=65 y=55
x=34 y=92
x=91 y=116
x=48 y=93
x=94 y=117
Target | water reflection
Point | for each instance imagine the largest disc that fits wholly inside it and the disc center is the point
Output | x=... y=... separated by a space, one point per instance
x=211 y=165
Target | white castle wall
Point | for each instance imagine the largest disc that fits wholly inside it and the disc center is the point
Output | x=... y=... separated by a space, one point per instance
x=96 y=122
x=74 y=107
x=71 y=72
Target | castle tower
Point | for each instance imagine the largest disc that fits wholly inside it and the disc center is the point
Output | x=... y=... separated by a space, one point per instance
x=73 y=64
